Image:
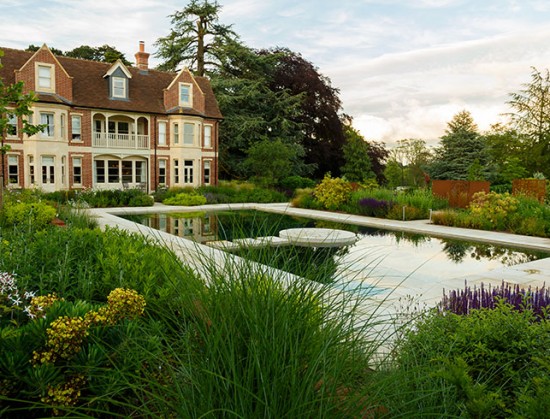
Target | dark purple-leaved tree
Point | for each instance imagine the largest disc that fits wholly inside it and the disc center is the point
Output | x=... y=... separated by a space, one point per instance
x=320 y=109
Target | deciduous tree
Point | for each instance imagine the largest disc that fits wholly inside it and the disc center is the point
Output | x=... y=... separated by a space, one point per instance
x=357 y=166
x=320 y=107
x=104 y=53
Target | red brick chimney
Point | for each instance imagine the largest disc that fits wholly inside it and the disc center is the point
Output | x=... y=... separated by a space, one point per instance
x=142 y=57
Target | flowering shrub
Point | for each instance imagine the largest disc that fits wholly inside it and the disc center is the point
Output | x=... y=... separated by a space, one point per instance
x=66 y=334
x=373 y=207
x=493 y=209
x=463 y=301
x=64 y=339
x=14 y=302
x=52 y=336
x=65 y=394
x=332 y=192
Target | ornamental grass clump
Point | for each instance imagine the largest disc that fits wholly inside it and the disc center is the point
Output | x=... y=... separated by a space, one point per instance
x=464 y=301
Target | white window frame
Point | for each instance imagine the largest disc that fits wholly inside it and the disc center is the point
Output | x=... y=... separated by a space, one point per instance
x=188 y=136
x=188 y=172
x=175 y=133
x=99 y=165
x=49 y=129
x=62 y=125
x=13 y=121
x=185 y=101
x=13 y=161
x=162 y=171
x=176 y=171
x=77 y=170
x=162 y=133
x=208 y=136
x=32 y=173
x=119 y=91
x=76 y=134
x=45 y=82
x=207 y=171
x=48 y=170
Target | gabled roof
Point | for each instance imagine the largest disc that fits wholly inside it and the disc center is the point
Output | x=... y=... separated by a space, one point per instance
x=90 y=88
x=118 y=64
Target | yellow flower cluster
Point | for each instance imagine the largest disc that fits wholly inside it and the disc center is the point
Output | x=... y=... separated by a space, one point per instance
x=65 y=394
x=493 y=206
x=64 y=339
x=39 y=304
x=124 y=303
x=66 y=334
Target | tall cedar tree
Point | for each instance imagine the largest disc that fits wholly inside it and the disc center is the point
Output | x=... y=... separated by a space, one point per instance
x=319 y=110
x=196 y=38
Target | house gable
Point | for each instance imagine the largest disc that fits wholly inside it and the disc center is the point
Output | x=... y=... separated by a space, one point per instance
x=173 y=98
x=45 y=75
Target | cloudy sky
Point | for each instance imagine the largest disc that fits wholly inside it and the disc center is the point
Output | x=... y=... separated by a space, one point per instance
x=403 y=67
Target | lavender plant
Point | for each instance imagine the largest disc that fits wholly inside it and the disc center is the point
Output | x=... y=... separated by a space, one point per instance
x=373 y=207
x=463 y=301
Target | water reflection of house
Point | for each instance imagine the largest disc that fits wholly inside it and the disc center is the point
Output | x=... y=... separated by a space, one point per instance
x=199 y=229
x=110 y=126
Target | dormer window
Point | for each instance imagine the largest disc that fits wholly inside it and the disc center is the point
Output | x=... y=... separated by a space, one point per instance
x=119 y=87
x=45 y=78
x=118 y=76
x=186 y=95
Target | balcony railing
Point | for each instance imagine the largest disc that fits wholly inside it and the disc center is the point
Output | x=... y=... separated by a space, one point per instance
x=109 y=140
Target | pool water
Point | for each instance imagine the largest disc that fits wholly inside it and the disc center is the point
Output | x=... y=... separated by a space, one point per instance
x=379 y=256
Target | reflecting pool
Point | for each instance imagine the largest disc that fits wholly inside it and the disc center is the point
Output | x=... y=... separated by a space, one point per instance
x=380 y=257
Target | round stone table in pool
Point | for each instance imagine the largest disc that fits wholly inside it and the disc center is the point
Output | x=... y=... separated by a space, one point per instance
x=318 y=237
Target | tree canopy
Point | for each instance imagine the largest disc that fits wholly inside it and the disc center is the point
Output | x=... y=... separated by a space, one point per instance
x=320 y=107
x=461 y=147
x=357 y=167
x=196 y=39
x=104 y=53
x=531 y=117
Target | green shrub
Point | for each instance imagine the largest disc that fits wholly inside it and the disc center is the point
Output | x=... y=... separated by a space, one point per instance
x=304 y=198
x=332 y=193
x=37 y=214
x=484 y=364
x=114 y=198
x=239 y=192
x=297 y=182
x=493 y=209
x=61 y=196
x=164 y=193
x=185 y=199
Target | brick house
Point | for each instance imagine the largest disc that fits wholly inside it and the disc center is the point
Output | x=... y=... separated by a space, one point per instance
x=109 y=126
